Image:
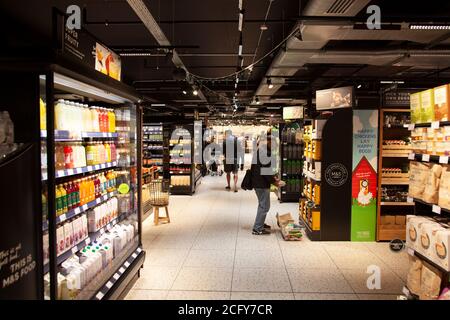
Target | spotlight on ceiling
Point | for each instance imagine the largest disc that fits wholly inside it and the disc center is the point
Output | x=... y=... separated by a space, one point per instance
x=269 y=83
x=195 y=92
x=359 y=86
x=257 y=101
x=184 y=92
x=263 y=27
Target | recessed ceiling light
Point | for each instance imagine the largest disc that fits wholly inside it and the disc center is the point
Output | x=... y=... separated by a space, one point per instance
x=269 y=83
x=195 y=92
x=359 y=86
x=263 y=27
x=184 y=92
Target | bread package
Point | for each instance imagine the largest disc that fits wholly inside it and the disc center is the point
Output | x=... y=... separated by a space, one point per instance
x=431 y=191
x=444 y=188
x=417 y=178
x=413 y=279
x=430 y=284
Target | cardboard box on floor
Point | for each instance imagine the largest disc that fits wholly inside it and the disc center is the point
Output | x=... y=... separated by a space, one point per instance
x=287 y=232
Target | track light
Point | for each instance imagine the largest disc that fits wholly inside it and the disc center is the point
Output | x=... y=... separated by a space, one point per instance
x=269 y=83
x=257 y=101
x=359 y=86
x=184 y=92
x=429 y=27
x=195 y=92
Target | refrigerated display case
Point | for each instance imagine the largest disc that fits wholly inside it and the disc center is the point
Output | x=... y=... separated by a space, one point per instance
x=78 y=193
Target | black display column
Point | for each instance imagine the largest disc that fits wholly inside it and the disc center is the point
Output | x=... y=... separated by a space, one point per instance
x=337 y=177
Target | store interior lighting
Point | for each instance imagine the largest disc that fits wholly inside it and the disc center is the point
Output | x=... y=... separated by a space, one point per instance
x=269 y=83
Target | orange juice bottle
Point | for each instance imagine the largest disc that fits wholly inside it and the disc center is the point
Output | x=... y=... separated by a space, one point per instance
x=82 y=192
x=112 y=121
x=90 y=190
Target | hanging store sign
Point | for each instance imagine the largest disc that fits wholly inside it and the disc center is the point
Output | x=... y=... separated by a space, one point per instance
x=80 y=45
x=364 y=176
x=291 y=113
x=334 y=98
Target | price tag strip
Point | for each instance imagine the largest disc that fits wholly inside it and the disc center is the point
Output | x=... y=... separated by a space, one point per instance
x=110 y=283
x=443 y=159
x=436 y=209
x=426 y=157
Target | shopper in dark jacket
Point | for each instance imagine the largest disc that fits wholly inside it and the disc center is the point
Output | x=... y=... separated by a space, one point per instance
x=262 y=178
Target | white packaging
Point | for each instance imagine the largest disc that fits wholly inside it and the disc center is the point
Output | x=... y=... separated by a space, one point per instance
x=412 y=230
x=92 y=221
x=84 y=226
x=68 y=234
x=425 y=236
x=76 y=235
x=61 y=241
x=441 y=246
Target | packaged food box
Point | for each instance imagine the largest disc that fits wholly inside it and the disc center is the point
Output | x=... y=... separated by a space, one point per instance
x=412 y=230
x=289 y=230
x=441 y=246
x=441 y=103
x=426 y=235
x=68 y=234
x=61 y=241
x=427 y=106
x=415 y=107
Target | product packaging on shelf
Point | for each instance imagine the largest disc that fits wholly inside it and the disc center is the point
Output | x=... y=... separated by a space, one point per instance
x=442 y=103
x=413 y=224
x=427 y=234
x=427 y=105
x=415 y=104
x=441 y=246
x=46 y=248
x=68 y=234
x=444 y=188
x=417 y=179
x=430 y=285
x=61 y=241
x=431 y=191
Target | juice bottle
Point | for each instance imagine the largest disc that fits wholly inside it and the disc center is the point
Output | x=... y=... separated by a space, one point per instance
x=112 y=147
x=97 y=187
x=106 y=120
x=91 y=189
x=68 y=156
x=87 y=123
x=59 y=113
x=103 y=185
x=43 y=114
x=94 y=120
x=67 y=187
x=76 y=190
x=58 y=201
x=82 y=155
x=64 y=199
x=59 y=155
x=90 y=154
x=107 y=152
x=112 y=121
x=100 y=119
x=82 y=192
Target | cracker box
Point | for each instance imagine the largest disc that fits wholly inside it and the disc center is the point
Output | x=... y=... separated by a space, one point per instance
x=426 y=231
x=442 y=103
x=441 y=246
x=412 y=230
x=427 y=106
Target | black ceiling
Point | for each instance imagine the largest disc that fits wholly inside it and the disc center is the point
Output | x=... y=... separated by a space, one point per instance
x=205 y=35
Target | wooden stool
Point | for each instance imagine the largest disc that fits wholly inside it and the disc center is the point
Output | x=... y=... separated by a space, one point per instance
x=157 y=218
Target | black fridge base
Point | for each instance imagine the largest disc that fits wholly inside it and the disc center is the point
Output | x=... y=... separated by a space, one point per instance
x=312 y=235
x=122 y=281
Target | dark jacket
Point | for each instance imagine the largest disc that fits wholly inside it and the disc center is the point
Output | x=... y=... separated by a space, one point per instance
x=259 y=180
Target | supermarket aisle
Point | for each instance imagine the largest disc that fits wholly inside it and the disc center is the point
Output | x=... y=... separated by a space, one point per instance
x=208 y=252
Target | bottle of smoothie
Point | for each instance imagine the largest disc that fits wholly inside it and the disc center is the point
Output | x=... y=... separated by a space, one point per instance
x=63 y=198
x=68 y=156
x=112 y=121
x=107 y=152
x=94 y=119
x=58 y=199
x=87 y=123
x=59 y=114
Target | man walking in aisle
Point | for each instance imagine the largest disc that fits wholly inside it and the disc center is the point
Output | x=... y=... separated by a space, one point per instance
x=230 y=150
x=262 y=178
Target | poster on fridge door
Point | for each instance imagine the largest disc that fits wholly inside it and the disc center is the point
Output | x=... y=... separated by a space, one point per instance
x=107 y=62
x=364 y=175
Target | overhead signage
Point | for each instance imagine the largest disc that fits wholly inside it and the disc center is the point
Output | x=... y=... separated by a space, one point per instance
x=334 y=98
x=291 y=113
x=80 y=45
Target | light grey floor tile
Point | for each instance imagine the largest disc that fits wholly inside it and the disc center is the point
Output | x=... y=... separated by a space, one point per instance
x=165 y=257
x=261 y=296
x=160 y=278
x=261 y=280
x=137 y=294
x=318 y=280
x=198 y=295
x=325 y=296
x=210 y=258
x=269 y=258
x=203 y=279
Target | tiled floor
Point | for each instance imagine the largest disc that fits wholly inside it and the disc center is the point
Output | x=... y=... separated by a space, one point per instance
x=208 y=252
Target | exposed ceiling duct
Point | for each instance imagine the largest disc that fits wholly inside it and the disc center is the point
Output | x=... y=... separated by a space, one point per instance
x=307 y=47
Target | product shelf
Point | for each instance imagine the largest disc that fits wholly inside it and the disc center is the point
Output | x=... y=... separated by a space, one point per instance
x=392 y=203
x=429 y=124
x=91 y=238
x=71 y=172
x=312 y=235
x=74 y=212
x=434 y=208
x=65 y=135
x=121 y=272
x=413 y=252
x=429 y=158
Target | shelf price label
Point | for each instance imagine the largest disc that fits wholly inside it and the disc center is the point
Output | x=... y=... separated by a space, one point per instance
x=410 y=251
x=409 y=200
x=436 y=209
x=426 y=157
x=443 y=159
x=411 y=127
x=411 y=156
x=435 y=125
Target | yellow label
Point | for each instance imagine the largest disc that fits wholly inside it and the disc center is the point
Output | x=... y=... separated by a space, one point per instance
x=124 y=188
